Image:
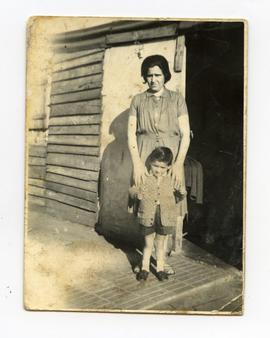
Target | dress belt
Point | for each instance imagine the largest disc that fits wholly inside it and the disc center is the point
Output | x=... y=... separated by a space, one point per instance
x=156 y=136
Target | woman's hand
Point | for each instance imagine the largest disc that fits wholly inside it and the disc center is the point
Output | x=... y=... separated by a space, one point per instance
x=139 y=172
x=177 y=172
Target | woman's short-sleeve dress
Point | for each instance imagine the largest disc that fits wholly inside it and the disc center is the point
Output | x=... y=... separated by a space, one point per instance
x=157 y=124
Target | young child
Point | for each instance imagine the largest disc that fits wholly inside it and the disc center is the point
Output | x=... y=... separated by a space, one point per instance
x=157 y=211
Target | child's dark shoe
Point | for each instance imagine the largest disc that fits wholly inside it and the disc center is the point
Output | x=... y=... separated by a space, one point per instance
x=142 y=275
x=162 y=275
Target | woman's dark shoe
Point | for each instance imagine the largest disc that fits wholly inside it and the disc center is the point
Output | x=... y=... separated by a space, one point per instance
x=136 y=269
x=142 y=275
x=169 y=269
x=162 y=275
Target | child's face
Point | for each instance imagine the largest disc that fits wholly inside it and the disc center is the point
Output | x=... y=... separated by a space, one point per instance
x=158 y=168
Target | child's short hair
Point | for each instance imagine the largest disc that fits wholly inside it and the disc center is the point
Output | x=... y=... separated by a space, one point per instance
x=161 y=154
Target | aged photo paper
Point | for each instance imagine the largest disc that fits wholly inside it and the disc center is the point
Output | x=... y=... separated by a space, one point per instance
x=135 y=165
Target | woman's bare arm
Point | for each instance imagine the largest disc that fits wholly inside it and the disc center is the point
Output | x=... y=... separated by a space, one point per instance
x=178 y=167
x=185 y=138
x=139 y=169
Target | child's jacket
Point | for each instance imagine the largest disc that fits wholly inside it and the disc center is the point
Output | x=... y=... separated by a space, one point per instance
x=149 y=194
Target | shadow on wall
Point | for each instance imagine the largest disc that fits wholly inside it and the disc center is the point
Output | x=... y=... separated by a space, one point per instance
x=114 y=182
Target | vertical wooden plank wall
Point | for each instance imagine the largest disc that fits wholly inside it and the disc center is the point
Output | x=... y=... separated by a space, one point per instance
x=72 y=163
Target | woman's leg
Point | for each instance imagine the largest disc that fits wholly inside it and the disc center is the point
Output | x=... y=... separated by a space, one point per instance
x=178 y=235
x=173 y=243
x=148 y=245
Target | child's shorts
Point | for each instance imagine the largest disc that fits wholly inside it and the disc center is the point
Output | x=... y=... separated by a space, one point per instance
x=157 y=227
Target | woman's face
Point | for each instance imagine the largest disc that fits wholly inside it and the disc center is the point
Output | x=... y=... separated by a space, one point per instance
x=155 y=79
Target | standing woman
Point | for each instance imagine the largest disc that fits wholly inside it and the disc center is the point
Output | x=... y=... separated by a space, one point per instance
x=159 y=117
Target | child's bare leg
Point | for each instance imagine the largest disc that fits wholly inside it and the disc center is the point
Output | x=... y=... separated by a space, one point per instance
x=166 y=246
x=149 y=242
x=159 y=243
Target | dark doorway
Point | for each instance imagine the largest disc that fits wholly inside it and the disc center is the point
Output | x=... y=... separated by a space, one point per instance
x=215 y=86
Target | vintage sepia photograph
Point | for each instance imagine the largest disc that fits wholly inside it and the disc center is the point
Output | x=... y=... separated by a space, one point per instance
x=135 y=165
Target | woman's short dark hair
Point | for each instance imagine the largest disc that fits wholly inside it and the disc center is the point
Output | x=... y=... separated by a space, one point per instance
x=160 y=154
x=156 y=60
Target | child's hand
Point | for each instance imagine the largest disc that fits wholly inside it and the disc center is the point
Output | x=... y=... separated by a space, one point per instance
x=135 y=192
x=179 y=195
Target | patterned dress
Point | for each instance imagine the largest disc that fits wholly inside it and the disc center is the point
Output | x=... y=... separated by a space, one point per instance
x=157 y=124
